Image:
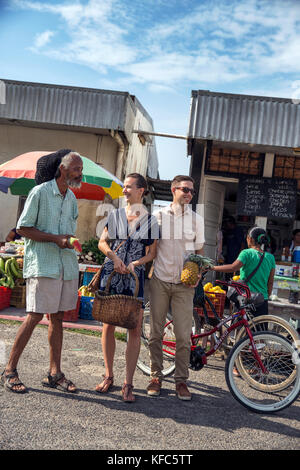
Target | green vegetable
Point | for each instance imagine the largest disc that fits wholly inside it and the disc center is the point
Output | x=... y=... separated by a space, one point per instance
x=91 y=245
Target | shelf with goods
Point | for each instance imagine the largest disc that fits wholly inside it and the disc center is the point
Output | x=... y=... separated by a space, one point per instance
x=284 y=301
x=286 y=276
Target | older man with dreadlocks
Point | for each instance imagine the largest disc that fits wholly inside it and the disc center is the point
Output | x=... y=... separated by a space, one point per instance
x=50 y=263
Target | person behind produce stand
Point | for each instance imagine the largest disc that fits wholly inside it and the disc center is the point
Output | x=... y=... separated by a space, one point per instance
x=134 y=233
x=50 y=263
x=182 y=232
x=12 y=235
x=233 y=239
x=289 y=247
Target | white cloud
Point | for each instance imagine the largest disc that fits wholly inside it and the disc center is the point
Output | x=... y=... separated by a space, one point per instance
x=211 y=43
x=42 y=39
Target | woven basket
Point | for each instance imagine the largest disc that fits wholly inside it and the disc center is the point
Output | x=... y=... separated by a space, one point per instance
x=117 y=309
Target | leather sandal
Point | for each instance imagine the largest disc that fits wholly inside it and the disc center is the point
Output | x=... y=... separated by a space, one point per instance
x=59 y=382
x=105 y=385
x=127 y=394
x=16 y=385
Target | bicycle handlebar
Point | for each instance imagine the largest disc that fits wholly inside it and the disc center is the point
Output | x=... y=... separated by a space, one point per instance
x=240 y=288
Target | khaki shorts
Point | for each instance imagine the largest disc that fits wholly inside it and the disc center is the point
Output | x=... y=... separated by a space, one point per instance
x=48 y=295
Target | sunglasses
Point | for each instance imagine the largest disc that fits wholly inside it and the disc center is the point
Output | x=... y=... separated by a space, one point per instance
x=186 y=190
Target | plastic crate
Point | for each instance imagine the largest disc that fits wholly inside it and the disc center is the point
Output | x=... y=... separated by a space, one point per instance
x=5 y=294
x=87 y=277
x=18 y=297
x=218 y=302
x=86 y=307
x=70 y=315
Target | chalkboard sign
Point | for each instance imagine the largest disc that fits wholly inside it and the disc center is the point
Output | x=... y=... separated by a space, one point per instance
x=267 y=197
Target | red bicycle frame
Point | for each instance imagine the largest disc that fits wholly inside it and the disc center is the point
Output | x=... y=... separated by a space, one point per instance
x=242 y=322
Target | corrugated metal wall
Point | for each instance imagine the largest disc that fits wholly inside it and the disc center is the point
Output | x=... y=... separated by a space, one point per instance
x=242 y=118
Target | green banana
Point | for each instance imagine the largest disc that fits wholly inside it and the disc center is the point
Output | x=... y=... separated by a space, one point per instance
x=7 y=266
x=2 y=264
x=15 y=270
x=11 y=282
x=5 y=282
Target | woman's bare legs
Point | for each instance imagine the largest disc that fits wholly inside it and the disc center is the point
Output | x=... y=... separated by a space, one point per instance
x=132 y=354
x=108 y=349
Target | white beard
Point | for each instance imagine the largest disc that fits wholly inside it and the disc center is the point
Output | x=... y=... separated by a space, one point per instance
x=73 y=184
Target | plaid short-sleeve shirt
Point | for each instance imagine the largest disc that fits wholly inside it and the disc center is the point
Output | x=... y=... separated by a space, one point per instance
x=48 y=211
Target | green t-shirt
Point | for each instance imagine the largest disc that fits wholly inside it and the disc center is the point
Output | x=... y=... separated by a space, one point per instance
x=250 y=259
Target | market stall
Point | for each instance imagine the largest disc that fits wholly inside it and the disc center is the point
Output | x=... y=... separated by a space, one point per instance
x=246 y=165
x=12 y=284
x=18 y=177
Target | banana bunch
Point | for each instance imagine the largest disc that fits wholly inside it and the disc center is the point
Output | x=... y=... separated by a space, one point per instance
x=84 y=290
x=9 y=272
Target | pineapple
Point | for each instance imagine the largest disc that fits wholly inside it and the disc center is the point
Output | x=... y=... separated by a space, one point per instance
x=189 y=274
x=191 y=268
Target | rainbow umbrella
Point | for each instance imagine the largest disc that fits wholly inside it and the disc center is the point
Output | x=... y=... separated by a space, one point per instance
x=18 y=174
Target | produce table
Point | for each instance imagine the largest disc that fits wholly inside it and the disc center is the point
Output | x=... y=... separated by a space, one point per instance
x=284 y=309
x=86 y=272
x=89 y=268
x=282 y=287
x=10 y=255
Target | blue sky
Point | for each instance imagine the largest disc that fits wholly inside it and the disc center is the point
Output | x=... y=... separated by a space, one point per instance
x=158 y=50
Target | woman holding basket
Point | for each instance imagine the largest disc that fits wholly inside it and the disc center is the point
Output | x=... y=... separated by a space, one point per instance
x=133 y=234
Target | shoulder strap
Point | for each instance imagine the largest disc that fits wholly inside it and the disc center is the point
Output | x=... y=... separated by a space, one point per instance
x=131 y=233
x=254 y=271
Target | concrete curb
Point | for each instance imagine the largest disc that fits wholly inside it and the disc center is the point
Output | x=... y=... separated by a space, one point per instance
x=9 y=314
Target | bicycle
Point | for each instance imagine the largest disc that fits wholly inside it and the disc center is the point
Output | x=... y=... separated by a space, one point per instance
x=267 y=364
x=269 y=322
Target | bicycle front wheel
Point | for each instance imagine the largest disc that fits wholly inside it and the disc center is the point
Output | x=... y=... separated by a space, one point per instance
x=143 y=362
x=259 y=392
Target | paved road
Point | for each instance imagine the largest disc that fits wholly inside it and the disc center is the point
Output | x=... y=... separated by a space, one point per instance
x=50 y=419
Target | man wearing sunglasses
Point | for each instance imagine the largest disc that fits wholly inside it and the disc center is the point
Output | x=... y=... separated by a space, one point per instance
x=182 y=232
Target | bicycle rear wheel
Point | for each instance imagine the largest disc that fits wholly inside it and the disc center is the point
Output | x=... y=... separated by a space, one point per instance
x=143 y=362
x=264 y=393
x=272 y=324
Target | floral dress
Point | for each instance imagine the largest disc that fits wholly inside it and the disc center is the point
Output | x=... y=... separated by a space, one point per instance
x=134 y=248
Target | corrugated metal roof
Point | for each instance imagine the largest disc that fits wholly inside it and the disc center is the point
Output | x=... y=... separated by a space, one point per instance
x=247 y=119
x=68 y=106
x=87 y=108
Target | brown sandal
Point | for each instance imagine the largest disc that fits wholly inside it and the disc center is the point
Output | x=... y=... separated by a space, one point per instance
x=105 y=385
x=127 y=394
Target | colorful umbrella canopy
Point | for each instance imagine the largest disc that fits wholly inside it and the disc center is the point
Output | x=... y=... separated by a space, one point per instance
x=18 y=174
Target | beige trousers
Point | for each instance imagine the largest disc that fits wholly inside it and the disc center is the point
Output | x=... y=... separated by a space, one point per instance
x=178 y=297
